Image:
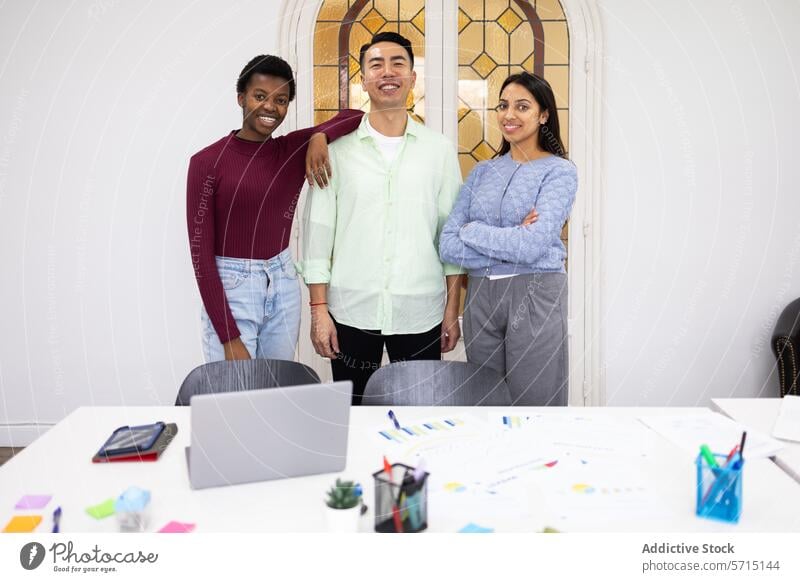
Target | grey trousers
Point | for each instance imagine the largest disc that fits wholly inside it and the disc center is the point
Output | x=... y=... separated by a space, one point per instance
x=518 y=326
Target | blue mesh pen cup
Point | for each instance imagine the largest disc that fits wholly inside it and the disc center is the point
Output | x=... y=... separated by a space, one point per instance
x=719 y=489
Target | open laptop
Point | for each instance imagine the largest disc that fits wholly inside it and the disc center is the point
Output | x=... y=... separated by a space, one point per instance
x=274 y=433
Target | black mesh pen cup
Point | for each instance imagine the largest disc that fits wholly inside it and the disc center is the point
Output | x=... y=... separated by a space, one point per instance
x=401 y=501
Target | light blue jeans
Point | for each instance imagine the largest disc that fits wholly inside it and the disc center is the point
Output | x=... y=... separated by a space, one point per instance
x=264 y=297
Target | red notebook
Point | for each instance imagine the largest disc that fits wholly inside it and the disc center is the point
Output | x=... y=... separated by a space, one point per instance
x=151 y=454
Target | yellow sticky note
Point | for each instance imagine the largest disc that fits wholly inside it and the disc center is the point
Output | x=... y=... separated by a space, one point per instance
x=22 y=523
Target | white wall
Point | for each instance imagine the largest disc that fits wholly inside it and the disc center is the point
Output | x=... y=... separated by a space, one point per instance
x=101 y=104
x=702 y=232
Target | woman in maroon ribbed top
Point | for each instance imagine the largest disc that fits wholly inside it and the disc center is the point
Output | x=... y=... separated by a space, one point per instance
x=241 y=196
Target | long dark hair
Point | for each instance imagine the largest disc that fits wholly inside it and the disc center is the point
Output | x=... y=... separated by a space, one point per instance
x=549 y=132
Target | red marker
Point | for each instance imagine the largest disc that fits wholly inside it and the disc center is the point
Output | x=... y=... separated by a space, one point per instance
x=387 y=468
x=398 y=523
x=734 y=450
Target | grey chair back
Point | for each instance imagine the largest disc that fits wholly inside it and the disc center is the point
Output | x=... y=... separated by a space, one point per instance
x=436 y=383
x=236 y=375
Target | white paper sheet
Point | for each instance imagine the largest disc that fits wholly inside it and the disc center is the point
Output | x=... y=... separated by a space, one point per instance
x=689 y=430
x=551 y=478
x=787 y=426
x=580 y=433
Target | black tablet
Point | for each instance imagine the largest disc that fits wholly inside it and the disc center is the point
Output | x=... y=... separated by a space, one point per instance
x=131 y=439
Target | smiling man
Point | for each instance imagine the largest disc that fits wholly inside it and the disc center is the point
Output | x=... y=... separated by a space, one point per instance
x=370 y=252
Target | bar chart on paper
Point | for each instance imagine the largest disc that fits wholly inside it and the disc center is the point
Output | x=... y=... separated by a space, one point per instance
x=421 y=430
x=423 y=434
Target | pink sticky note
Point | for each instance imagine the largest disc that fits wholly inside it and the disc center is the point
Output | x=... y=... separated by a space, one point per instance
x=33 y=501
x=177 y=527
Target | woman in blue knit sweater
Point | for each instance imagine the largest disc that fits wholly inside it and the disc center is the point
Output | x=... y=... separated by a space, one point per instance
x=515 y=319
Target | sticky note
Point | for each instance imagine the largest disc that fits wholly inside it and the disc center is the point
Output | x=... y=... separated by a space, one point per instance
x=33 y=501
x=177 y=527
x=474 y=528
x=102 y=510
x=22 y=523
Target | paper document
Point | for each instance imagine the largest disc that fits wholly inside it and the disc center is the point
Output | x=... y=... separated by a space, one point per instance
x=689 y=430
x=787 y=426
x=418 y=435
x=602 y=490
x=579 y=433
x=542 y=478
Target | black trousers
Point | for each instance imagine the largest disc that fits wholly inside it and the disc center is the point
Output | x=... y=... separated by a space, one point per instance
x=361 y=352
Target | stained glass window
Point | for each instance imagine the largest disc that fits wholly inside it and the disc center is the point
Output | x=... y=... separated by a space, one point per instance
x=497 y=38
x=342 y=27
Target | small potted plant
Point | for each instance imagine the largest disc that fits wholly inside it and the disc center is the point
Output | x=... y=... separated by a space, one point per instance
x=343 y=506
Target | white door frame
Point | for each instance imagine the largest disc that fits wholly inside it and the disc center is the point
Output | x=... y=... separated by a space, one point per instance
x=587 y=382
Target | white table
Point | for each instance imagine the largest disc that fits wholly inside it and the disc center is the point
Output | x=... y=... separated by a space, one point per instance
x=761 y=414
x=58 y=463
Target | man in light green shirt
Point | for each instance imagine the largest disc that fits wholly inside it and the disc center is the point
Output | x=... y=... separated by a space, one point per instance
x=370 y=244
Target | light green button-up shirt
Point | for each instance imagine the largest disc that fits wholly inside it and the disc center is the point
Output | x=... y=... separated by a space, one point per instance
x=373 y=234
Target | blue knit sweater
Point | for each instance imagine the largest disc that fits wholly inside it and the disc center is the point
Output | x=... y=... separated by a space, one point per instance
x=483 y=233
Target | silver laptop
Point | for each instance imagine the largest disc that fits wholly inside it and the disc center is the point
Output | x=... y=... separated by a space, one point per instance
x=274 y=433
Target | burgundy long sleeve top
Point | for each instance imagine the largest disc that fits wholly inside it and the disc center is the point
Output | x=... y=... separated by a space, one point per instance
x=240 y=202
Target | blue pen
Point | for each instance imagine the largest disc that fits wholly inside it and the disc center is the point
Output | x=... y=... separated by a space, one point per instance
x=394 y=420
x=56 y=519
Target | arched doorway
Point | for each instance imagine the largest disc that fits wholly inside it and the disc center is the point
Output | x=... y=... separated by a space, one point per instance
x=466 y=48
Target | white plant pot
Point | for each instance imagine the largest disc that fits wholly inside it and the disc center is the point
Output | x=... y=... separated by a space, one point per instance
x=343 y=520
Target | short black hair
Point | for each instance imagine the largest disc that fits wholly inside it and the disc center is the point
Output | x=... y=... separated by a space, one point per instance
x=266 y=65
x=387 y=37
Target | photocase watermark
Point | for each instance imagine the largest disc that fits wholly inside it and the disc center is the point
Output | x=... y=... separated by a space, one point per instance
x=688 y=167
x=744 y=230
x=520 y=313
x=99 y=7
x=667 y=356
x=778 y=303
x=82 y=243
x=65 y=558
x=741 y=19
x=31 y=555
x=165 y=78
x=552 y=141
x=619 y=348
x=203 y=208
x=7 y=143
x=53 y=339
x=149 y=388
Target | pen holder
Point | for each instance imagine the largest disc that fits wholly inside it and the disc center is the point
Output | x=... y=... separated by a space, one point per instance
x=719 y=489
x=400 y=501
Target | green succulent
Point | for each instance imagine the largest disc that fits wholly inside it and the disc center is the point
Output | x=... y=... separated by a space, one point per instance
x=343 y=495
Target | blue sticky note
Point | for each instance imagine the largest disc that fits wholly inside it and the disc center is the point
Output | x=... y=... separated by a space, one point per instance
x=474 y=528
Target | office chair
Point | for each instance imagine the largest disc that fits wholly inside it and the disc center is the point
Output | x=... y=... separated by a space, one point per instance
x=436 y=383
x=236 y=375
x=786 y=347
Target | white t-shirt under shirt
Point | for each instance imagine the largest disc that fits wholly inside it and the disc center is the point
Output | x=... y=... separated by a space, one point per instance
x=389 y=146
x=496 y=277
